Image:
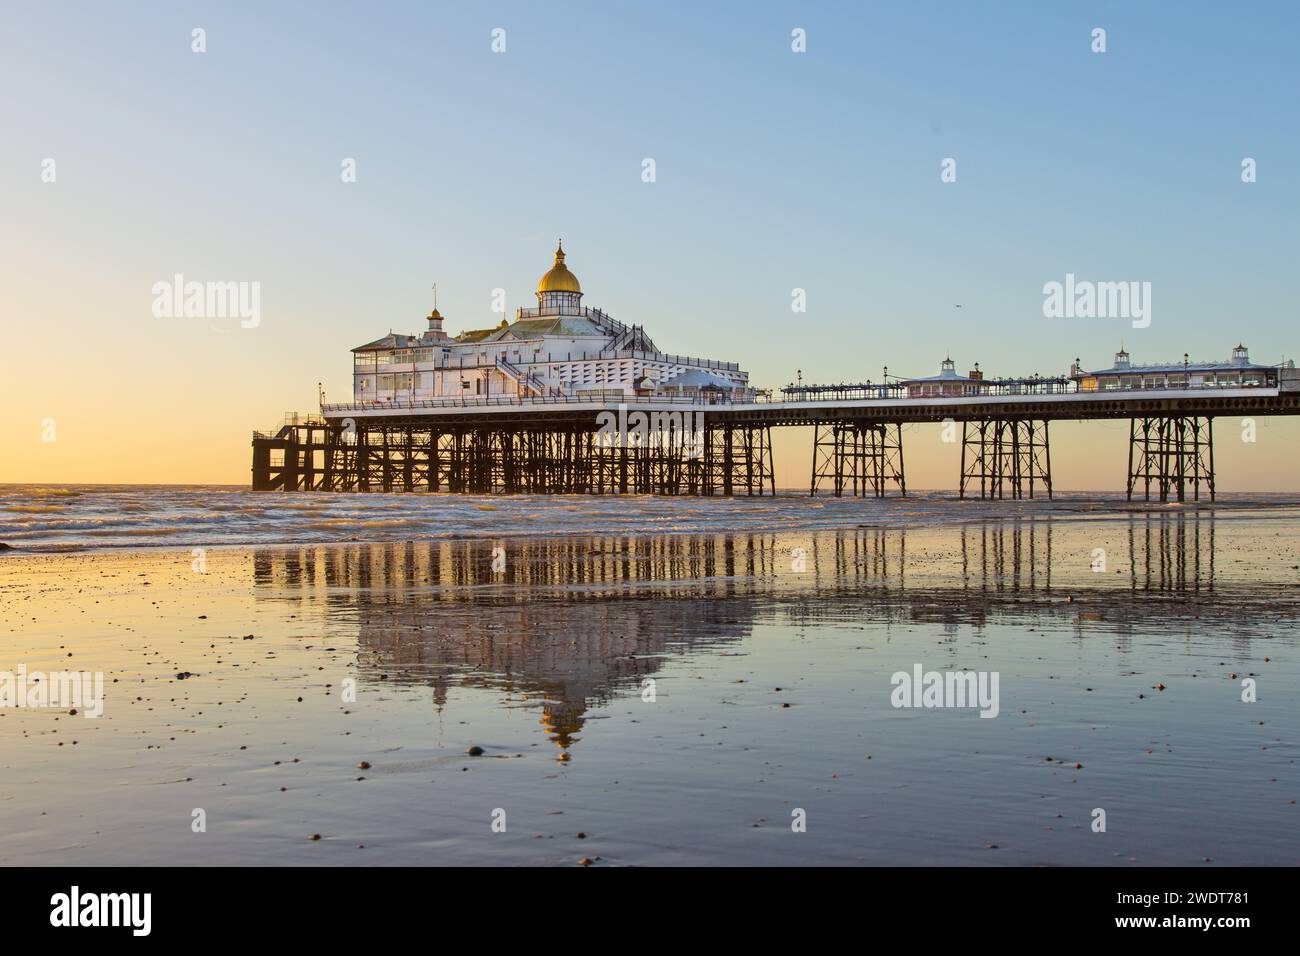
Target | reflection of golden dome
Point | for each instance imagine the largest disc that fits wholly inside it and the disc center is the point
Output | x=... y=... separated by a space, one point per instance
x=559 y=279
x=562 y=720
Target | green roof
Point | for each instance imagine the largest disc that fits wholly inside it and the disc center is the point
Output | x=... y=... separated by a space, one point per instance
x=534 y=329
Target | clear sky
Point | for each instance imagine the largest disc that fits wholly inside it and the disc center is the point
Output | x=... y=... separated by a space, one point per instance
x=775 y=170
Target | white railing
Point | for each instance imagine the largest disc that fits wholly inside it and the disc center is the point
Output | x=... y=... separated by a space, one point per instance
x=477 y=401
x=526 y=379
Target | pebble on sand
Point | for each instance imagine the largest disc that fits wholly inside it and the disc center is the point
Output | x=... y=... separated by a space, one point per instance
x=364 y=765
x=475 y=751
x=314 y=837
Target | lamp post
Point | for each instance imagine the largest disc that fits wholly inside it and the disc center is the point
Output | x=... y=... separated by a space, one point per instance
x=1186 y=380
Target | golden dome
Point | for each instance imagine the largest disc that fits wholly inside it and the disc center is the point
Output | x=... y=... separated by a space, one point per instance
x=559 y=279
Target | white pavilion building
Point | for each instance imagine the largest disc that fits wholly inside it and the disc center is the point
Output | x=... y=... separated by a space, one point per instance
x=559 y=349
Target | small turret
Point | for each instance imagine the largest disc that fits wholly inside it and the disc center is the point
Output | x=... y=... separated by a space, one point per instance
x=435 y=333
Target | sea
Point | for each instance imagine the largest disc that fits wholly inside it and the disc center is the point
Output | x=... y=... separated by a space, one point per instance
x=370 y=680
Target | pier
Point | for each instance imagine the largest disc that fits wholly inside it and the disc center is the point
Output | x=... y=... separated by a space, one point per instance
x=554 y=445
x=567 y=400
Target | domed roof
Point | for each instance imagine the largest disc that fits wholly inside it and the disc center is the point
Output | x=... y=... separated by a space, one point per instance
x=559 y=278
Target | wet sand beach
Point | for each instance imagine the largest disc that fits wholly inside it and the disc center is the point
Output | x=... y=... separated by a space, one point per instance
x=648 y=699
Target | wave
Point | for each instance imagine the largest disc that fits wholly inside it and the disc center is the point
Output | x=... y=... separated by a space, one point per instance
x=137 y=532
x=336 y=524
x=44 y=518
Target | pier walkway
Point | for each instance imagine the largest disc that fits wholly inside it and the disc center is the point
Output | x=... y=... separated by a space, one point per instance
x=613 y=443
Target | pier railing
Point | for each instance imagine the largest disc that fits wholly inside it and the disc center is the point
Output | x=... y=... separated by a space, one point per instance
x=994 y=388
x=479 y=401
x=790 y=395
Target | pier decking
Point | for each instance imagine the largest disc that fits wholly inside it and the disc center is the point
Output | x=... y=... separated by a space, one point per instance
x=692 y=446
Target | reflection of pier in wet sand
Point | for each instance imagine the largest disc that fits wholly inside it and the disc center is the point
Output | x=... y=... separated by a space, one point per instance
x=564 y=624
